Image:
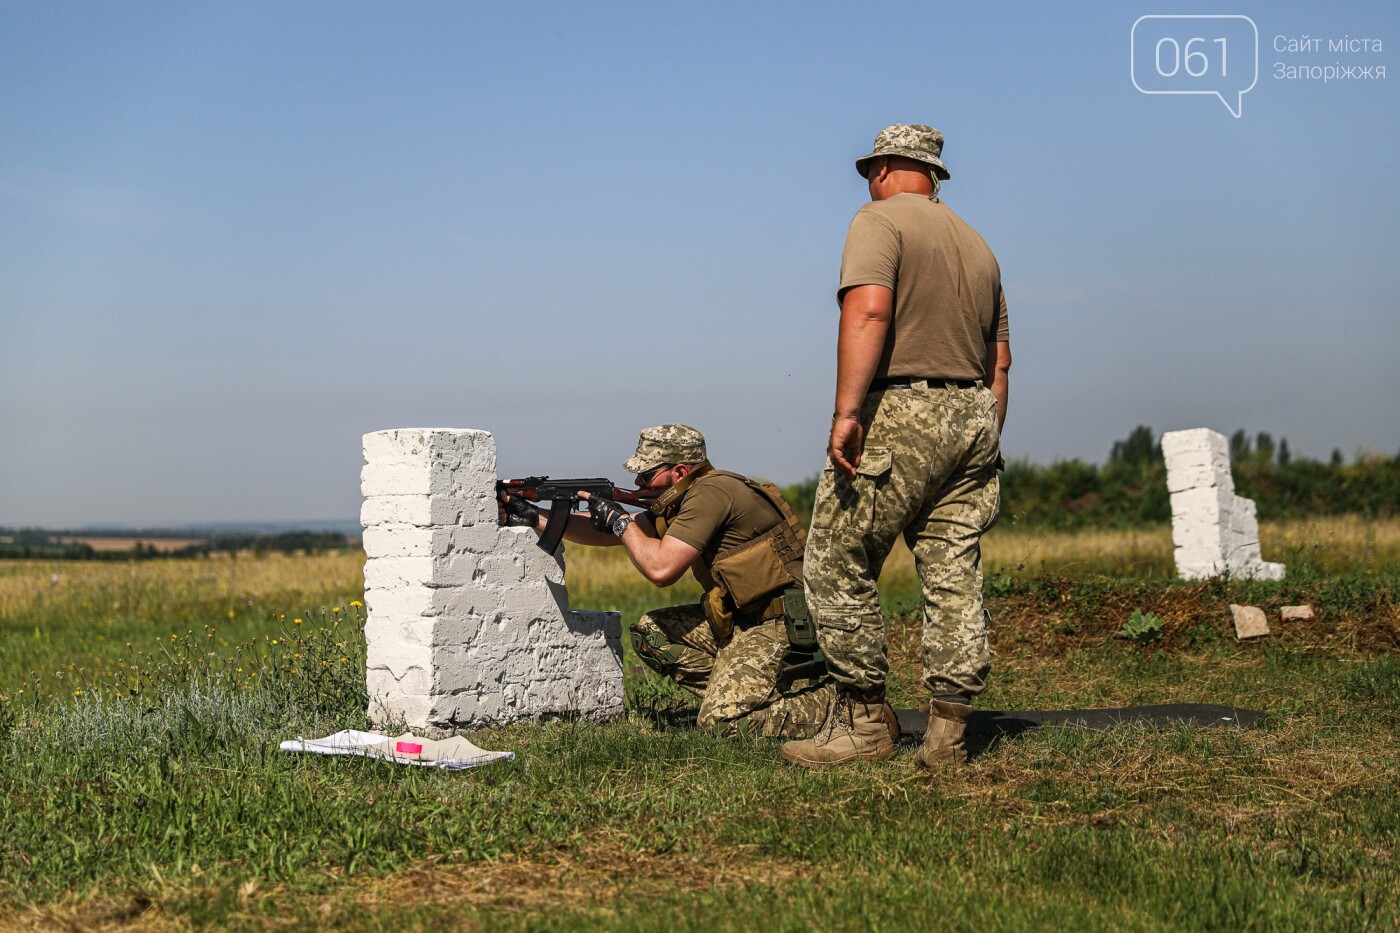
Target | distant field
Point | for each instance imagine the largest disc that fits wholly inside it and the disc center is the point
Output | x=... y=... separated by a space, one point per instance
x=164 y=545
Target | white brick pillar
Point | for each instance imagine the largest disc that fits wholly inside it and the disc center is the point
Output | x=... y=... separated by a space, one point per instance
x=468 y=622
x=1214 y=530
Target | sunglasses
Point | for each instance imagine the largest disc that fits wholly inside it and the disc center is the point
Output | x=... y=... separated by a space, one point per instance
x=645 y=478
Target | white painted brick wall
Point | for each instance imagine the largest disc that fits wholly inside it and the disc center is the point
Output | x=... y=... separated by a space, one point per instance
x=1214 y=530
x=468 y=622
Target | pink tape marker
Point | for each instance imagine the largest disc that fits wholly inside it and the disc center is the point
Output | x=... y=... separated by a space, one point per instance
x=408 y=748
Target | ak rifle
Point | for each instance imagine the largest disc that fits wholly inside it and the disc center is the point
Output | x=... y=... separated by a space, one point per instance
x=562 y=496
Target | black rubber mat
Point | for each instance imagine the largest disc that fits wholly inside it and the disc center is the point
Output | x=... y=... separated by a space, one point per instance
x=1013 y=722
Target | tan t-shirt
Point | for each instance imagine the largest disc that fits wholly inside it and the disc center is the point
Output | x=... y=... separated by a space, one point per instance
x=948 y=302
x=719 y=513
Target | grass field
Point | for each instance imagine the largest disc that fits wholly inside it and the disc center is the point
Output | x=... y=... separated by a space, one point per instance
x=167 y=807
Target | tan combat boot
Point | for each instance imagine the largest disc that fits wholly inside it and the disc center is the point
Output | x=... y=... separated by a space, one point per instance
x=858 y=726
x=943 y=742
x=891 y=722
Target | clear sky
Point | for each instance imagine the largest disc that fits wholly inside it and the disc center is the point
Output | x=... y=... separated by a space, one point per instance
x=236 y=236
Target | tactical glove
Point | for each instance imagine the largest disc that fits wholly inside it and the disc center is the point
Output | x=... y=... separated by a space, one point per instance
x=521 y=513
x=603 y=512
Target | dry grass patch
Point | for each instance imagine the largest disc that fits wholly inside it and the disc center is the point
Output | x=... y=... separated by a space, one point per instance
x=94 y=586
x=1335 y=543
x=596 y=875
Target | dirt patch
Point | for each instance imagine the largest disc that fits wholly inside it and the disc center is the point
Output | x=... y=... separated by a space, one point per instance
x=1063 y=615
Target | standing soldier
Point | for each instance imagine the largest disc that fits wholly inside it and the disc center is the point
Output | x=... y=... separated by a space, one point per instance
x=921 y=390
x=747 y=648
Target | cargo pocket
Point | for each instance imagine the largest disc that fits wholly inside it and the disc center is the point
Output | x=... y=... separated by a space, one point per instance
x=852 y=505
x=835 y=619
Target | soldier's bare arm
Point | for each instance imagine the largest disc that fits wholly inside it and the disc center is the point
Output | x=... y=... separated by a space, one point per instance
x=997 y=368
x=866 y=313
x=663 y=560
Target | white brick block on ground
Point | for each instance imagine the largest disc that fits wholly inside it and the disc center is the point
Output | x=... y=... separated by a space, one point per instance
x=1214 y=530
x=468 y=623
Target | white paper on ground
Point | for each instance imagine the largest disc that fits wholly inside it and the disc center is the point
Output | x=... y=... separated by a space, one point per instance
x=454 y=754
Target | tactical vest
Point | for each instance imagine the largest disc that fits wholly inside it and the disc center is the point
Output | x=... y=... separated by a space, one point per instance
x=743 y=583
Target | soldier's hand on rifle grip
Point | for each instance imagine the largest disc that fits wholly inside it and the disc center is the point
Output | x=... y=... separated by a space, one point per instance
x=518 y=512
x=603 y=512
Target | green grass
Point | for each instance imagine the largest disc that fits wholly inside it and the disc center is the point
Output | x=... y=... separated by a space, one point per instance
x=169 y=806
x=71 y=627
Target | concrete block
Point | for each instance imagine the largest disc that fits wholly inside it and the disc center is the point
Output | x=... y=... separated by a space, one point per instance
x=468 y=622
x=454 y=570
x=397 y=541
x=1199 y=570
x=1296 y=614
x=413 y=601
x=393 y=652
x=387 y=572
x=401 y=712
x=1197 y=457
x=1214 y=531
x=396 y=510
x=471 y=539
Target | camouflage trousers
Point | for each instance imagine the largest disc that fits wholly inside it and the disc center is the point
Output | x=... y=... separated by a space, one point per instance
x=928 y=472
x=738 y=680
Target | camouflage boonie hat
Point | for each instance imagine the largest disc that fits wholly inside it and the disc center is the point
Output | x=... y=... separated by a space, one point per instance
x=911 y=140
x=666 y=443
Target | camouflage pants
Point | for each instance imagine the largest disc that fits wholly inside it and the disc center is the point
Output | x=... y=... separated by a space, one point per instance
x=738 y=680
x=928 y=472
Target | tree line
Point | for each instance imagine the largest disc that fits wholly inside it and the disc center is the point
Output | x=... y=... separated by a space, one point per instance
x=1131 y=487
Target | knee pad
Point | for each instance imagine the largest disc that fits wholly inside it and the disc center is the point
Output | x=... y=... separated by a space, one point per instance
x=655 y=651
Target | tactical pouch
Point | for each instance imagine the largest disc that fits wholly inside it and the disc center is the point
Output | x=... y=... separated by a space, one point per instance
x=799 y=670
x=801 y=632
x=753 y=573
x=803 y=662
x=719 y=615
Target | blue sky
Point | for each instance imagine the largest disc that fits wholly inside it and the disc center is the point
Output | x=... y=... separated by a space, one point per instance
x=234 y=237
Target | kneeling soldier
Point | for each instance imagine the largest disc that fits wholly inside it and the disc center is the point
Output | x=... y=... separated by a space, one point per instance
x=747 y=649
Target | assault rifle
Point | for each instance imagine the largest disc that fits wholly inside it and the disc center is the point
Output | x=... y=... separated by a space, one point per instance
x=562 y=495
